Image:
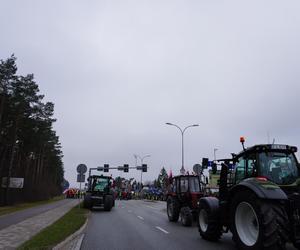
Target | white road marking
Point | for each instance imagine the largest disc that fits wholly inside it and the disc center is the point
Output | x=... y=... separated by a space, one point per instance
x=163 y=230
x=140 y=217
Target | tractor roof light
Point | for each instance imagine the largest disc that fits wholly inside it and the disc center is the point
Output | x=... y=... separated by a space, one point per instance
x=242 y=140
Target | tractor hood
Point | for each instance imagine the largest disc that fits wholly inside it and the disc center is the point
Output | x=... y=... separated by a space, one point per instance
x=292 y=188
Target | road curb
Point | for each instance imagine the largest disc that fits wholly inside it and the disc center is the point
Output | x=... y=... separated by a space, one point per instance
x=71 y=237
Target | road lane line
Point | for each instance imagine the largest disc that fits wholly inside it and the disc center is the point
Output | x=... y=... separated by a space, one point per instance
x=140 y=217
x=163 y=230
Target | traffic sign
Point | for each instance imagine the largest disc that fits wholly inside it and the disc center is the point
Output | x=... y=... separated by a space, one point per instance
x=197 y=169
x=81 y=168
x=100 y=168
x=80 y=178
x=120 y=168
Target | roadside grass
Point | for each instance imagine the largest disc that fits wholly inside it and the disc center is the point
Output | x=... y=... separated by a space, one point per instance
x=58 y=231
x=10 y=209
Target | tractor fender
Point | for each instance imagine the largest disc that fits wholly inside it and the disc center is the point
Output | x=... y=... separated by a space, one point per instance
x=264 y=189
x=211 y=202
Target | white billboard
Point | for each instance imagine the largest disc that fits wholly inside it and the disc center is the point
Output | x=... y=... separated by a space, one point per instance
x=14 y=182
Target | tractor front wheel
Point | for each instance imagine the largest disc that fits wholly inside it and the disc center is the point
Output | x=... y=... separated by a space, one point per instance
x=297 y=245
x=258 y=224
x=186 y=216
x=208 y=223
x=108 y=202
x=173 y=209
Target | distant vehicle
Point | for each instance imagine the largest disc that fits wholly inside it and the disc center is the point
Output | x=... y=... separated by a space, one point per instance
x=99 y=193
x=71 y=193
x=182 y=199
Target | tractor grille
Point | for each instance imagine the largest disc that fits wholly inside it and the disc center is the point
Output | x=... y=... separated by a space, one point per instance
x=97 y=201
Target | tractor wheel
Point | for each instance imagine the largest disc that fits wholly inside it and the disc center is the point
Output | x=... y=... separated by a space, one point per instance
x=108 y=202
x=186 y=216
x=87 y=202
x=208 y=223
x=173 y=209
x=258 y=224
x=297 y=245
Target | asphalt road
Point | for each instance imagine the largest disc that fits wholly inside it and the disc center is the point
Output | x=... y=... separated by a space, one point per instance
x=16 y=217
x=135 y=225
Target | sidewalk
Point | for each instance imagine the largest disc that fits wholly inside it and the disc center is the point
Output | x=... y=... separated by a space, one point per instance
x=13 y=236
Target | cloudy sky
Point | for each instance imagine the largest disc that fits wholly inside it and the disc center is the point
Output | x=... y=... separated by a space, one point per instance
x=117 y=71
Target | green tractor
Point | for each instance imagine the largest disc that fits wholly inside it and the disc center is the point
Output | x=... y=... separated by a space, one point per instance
x=99 y=193
x=258 y=199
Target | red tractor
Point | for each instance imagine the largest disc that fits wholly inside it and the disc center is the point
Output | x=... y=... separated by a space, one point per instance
x=182 y=198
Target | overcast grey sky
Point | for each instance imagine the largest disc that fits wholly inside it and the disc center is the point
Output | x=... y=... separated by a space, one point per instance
x=118 y=70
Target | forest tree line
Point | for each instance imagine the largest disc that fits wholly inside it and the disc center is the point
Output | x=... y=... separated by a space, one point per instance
x=29 y=147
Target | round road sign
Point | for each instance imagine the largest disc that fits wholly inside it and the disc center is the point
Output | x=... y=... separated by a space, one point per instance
x=81 y=168
x=197 y=168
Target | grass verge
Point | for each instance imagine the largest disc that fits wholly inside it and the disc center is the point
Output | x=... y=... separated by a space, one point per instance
x=21 y=206
x=58 y=231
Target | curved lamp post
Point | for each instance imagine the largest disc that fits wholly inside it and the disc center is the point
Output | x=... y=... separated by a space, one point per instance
x=182 y=170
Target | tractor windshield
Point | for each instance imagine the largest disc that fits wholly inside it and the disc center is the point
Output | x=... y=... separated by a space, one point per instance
x=278 y=167
x=194 y=185
x=100 y=184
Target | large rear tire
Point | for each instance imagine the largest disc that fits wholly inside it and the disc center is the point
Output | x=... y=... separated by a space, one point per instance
x=297 y=245
x=258 y=224
x=209 y=224
x=173 y=209
x=108 y=202
x=186 y=216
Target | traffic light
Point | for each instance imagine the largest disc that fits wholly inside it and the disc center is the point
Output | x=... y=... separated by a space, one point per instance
x=205 y=162
x=144 y=168
x=106 y=168
x=126 y=168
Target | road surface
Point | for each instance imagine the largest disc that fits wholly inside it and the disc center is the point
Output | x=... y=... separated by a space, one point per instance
x=135 y=225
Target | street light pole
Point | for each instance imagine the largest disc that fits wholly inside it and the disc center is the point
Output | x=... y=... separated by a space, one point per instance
x=215 y=155
x=182 y=170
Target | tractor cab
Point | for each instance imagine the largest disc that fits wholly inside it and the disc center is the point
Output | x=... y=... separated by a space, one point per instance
x=99 y=184
x=182 y=198
x=187 y=188
x=276 y=163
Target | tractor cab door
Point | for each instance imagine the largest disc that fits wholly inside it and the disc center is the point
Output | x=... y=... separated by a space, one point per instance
x=246 y=167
